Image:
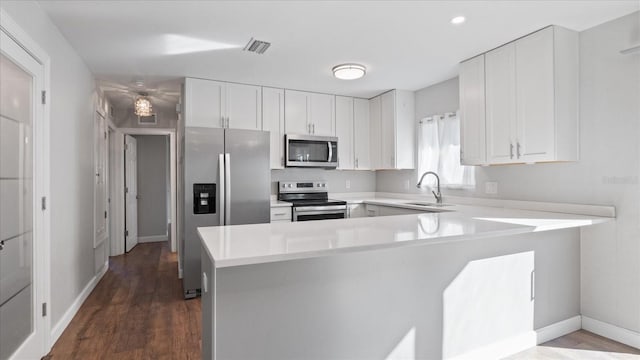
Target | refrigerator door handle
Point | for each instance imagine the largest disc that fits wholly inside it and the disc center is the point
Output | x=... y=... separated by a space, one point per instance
x=227 y=188
x=221 y=202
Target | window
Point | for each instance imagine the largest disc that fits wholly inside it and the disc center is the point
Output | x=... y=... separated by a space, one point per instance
x=439 y=151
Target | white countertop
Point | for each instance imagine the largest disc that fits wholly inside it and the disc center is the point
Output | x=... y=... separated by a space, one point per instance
x=237 y=245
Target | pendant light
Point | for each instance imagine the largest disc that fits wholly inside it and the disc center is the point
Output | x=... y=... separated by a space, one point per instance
x=142 y=105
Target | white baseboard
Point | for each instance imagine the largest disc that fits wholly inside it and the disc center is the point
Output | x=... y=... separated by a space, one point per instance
x=524 y=341
x=153 y=238
x=625 y=336
x=558 y=329
x=62 y=324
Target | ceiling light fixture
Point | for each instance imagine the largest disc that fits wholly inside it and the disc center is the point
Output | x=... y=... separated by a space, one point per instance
x=458 y=20
x=349 y=71
x=142 y=105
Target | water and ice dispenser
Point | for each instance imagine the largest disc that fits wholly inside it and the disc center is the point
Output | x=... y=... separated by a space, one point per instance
x=204 y=198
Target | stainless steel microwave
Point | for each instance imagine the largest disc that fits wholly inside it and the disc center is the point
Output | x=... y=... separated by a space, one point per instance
x=311 y=151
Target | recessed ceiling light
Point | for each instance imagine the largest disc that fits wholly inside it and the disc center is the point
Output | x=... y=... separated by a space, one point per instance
x=349 y=71
x=458 y=20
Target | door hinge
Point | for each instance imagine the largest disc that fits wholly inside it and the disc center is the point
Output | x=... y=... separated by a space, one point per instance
x=44 y=309
x=126 y=147
x=44 y=203
x=44 y=97
x=105 y=134
x=105 y=214
x=126 y=233
x=126 y=190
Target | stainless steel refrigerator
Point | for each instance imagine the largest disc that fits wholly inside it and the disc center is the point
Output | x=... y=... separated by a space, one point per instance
x=227 y=181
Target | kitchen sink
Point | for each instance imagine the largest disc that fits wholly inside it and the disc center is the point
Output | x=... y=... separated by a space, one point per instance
x=429 y=204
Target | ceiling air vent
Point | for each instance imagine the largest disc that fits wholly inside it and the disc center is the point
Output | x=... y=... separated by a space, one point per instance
x=257 y=46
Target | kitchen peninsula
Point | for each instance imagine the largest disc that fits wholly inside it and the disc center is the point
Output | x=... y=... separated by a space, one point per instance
x=474 y=282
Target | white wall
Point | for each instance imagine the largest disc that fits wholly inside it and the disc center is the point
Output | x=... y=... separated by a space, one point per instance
x=608 y=172
x=72 y=101
x=153 y=166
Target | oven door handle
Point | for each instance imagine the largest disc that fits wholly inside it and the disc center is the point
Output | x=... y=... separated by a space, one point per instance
x=308 y=209
x=298 y=214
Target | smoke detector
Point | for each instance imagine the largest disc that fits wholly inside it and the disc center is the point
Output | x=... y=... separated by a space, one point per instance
x=257 y=46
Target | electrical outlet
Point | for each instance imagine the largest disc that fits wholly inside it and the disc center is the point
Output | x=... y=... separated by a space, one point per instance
x=491 y=187
x=348 y=184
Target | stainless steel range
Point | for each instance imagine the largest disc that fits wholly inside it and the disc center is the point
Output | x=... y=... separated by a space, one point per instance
x=311 y=201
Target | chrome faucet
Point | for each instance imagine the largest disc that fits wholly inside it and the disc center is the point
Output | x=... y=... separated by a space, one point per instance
x=438 y=195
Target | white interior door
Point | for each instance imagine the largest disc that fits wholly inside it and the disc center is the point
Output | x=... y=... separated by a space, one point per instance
x=131 y=192
x=101 y=229
x=22 y=231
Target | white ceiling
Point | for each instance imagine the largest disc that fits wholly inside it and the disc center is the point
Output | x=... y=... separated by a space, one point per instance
x=404 y=44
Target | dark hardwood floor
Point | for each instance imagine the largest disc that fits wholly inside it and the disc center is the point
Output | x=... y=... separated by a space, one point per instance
x=137 y=312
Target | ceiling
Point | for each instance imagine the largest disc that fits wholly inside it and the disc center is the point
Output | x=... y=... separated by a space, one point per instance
x=404 y=44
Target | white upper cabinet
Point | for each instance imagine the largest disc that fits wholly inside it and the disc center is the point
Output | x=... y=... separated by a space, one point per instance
x=361 y=134
x=296 y=112
x=387 y=130
x=375 y=132
x=531 y=100
x=309 y=113
x=216 y=104
x=273 y=121
x=204 y=103
x=472 y=112
x=244 y=106
x=322 y=114
x=395 y=134
x=500 y=66
x=344 y=132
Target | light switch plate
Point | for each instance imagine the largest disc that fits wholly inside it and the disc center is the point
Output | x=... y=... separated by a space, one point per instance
x=491 y=187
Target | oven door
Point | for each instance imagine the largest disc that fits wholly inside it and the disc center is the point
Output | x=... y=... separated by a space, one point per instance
x=311 y=151
x=309 y=213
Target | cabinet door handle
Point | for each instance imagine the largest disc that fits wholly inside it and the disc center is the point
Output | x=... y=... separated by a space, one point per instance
x=356 y=163
x=227 y=122
x=511 y=150
x=309 y=128
x=313 y=126
x=518 y=149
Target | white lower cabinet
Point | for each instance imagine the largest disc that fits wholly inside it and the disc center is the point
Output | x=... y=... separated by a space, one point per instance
x=281 y=214
x=372 y=210
x=356 y=210
x=382 y=210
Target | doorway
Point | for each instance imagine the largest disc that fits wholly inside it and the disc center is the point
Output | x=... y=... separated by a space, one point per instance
x=144 y=187
x=24 y=234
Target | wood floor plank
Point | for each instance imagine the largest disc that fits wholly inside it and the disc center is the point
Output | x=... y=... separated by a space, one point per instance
x=137 y=311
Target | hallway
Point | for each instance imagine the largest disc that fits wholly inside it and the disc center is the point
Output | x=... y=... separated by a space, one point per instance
x=136 y=312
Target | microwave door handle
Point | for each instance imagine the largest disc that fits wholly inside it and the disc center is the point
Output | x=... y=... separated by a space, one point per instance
x=330 y=151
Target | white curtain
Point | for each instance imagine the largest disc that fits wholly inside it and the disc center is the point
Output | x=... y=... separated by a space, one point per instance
x=439 y=151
